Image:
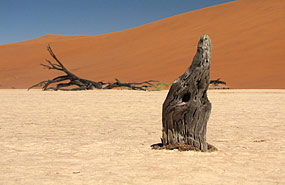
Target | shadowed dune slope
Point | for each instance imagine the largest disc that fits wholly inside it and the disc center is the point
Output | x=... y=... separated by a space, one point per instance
x=247 y=35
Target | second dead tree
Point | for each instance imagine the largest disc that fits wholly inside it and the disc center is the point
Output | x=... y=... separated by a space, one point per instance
x=217 y=82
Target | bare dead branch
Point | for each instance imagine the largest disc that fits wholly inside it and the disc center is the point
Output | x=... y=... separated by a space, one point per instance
x=82 y=84
x=218 y=81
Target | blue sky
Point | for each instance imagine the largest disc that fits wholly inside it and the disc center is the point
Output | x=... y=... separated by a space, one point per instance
x=27 y=19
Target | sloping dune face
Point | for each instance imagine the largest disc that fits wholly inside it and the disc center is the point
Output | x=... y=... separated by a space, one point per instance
x=248 y=49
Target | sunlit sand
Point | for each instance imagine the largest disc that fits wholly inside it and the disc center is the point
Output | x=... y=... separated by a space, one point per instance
x=104 y=137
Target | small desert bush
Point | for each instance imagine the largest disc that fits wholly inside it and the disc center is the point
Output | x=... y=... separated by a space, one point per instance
x=161 y=86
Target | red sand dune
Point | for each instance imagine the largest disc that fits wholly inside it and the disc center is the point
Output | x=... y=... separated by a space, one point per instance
x=247 y=35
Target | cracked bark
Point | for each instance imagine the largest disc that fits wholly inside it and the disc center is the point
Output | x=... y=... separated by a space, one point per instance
x=186 y=109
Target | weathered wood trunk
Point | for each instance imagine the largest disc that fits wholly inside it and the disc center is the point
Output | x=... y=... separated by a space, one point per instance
x=186 y=108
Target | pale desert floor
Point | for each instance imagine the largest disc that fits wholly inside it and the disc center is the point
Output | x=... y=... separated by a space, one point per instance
x=104 y=137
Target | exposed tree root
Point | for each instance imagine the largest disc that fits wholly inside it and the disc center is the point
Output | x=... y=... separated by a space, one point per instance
x=181 y=147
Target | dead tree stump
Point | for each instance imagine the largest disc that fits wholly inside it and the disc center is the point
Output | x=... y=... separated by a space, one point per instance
x=186 y=109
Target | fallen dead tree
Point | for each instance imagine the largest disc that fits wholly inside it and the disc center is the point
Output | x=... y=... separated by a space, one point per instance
x=135 y=86
x=217 y=82
x=77 y=83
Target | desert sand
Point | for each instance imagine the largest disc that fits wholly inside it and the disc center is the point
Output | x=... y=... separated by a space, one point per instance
x=248 y=39
x=104 y=137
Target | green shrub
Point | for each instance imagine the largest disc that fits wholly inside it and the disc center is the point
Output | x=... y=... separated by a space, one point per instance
x=161 y=85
